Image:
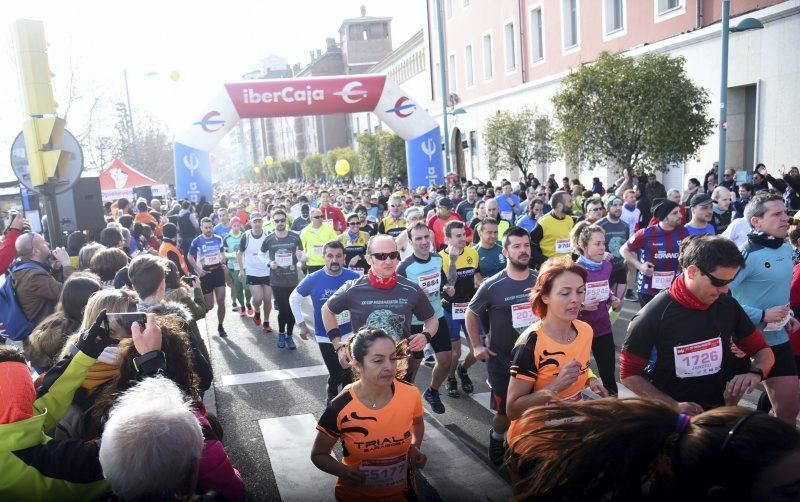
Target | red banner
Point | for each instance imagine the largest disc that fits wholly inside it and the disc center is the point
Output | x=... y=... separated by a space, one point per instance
x=312 y=96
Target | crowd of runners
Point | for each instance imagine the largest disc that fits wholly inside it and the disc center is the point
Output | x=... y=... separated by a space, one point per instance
x=529 y=276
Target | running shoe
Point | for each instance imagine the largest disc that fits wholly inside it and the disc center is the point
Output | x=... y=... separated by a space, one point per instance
x=631 y=296
x=257 y=319
x=432 y=396
x=222 y=333
x=266 y=327
x=290 y=342
x=430 y=361
x=242 y=311
x=466 y=382
x=235 y=308
x=250 y=310
x=281 y=340
x=497 y=449
x=452 y=387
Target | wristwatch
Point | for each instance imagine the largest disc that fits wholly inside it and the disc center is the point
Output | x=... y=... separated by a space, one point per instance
x=757 y=371
x=427 y=336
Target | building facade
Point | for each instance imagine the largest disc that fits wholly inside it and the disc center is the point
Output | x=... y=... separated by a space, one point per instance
x=506 y=54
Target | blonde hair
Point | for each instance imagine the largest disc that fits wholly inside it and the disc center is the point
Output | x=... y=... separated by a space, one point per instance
x=112 y=300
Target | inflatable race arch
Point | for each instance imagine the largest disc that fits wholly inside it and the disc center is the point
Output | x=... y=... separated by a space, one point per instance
x=311 y=96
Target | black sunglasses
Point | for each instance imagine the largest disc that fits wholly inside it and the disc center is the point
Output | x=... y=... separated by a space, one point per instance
x=716 y=281
x=394 y=255
x=316 y=217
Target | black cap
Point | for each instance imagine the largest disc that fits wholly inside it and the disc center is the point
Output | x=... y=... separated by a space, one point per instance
x=699 y=199
x=662 y=208
x=444 y=201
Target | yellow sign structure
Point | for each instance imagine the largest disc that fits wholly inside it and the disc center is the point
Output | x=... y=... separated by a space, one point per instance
x=44 y=130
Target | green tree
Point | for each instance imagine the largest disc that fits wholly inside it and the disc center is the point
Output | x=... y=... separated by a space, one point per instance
x=642 y=114
x=382 y=155
x=313 y=166
x=522 y=140
x=369 y=155
x=393 y=156
x=346 y=153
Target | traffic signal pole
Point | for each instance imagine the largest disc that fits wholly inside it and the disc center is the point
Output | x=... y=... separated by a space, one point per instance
x=43 y=129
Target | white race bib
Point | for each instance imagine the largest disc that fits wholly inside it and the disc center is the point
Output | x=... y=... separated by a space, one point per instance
x=522 y=316
x=387 y=472
x=459 y=311
x=506 y=215
x=563 y=246
x=328 y=222
x=317 y=250
x=698 y=359
x=430 y=283
x=597 y=291
x=283 y=259
x=662 y=280
x=343 y=318
x=358 y=270
x=211 y=259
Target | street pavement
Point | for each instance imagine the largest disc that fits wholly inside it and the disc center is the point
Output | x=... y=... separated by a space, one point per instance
x=269 y=400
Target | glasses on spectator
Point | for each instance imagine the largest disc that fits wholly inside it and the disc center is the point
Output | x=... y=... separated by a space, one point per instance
x=394 y=255
x=716 y=281
x=282 y=220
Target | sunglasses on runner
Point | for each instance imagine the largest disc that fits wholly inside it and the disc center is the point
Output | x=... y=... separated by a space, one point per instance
x=716 y=281
x=353 y=223
x=316 y=217
x=394 y=255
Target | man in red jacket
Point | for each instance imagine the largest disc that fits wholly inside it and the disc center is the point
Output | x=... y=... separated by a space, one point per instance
x=16 y=226
x=331 y=214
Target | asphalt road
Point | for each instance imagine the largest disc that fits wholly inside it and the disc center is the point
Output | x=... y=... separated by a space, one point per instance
x=268 y=417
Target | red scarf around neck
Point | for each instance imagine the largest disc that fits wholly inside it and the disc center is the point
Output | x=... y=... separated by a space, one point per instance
x=380 y=282
x=682 y=295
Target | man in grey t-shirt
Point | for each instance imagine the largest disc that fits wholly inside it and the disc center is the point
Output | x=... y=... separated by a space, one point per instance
x=617 y=234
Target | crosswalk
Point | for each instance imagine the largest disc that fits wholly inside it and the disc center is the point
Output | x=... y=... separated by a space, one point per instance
x=452 y=468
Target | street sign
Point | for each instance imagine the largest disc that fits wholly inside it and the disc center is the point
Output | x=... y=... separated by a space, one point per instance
x=19 y=163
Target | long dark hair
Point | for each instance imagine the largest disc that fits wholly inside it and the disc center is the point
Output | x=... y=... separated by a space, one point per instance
x=611 y=448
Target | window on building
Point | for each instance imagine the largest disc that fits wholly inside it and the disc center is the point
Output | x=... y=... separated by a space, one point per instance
x=508 y=38
x=537 y=35
x=569 y=22
x=468 y=66
x=668 y=5
x=614 y=15
x=451 y=72
x=488 y=60
x=448 y=9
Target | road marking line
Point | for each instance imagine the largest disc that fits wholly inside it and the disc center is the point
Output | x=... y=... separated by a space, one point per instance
x=289 y=440
x=483 y=399
x=448 y=462
x=273 y=375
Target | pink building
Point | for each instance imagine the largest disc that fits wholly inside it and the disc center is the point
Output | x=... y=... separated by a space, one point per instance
x=504 y=54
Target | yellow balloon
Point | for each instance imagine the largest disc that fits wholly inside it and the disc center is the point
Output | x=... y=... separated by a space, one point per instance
x=175 y=75
x=268 y=160
x=256 y=169
x=342 y=167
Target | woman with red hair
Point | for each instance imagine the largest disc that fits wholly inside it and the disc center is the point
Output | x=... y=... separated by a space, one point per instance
x=550 y=361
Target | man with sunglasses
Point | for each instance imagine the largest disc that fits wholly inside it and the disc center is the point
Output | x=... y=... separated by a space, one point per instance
x=393 y=224
x=383 y=299
x=314 y=237
x=679 y=346
x=763 y=290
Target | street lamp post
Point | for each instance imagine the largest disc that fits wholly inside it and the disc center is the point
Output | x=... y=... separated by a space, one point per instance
x=443 y=84
x=746 y=24
x=130 y=117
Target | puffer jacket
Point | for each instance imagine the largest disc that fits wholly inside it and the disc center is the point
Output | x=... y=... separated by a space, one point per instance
x=216 y=470
x=35 y=467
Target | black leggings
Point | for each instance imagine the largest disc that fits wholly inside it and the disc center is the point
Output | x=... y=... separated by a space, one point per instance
x=337 y=376
x=604 y=356
x=285 y=316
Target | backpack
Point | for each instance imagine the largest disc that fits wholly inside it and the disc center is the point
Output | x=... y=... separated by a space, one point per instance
x=16 y=326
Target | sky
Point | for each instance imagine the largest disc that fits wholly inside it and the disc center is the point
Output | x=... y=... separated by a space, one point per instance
x=206 y=43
